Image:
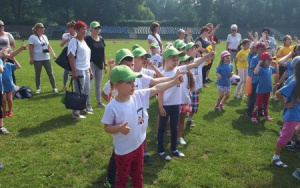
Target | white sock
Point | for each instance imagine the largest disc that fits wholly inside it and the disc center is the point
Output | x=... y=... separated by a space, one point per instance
x=275 y=157
x=190 y=118
x=161 y=153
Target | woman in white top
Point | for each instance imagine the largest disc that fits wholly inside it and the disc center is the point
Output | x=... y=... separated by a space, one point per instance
x=79 y=56
x=154 y=37
x=39 y=49
x=6 y=39
x=233 y=41
x=66 y=37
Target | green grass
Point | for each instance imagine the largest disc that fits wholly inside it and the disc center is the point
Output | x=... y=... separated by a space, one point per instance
x=46 y=148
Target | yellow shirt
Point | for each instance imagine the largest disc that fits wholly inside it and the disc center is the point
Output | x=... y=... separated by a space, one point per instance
x=283 y=52
x=208 y=48
x=242 y=61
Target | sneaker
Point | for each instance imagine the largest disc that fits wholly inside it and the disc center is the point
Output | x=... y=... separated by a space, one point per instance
x=278 y=163
x=78 y=116
x=296 y=174
x=236 y=95
x=38 y=91
x=55 y=90
x=3 y=130
x=217 y=107
x=209 y=80
x=10 y=113
x=254 y=120
x=204 y=85
x=148 y=160
x=108 y=184
x=89 y=109
x=190 y=123
x=222 y=106
x=177 y=154
x=4 y=114
x=181 y=141
x=100 y=105
x=164 y=156
x=268 y=118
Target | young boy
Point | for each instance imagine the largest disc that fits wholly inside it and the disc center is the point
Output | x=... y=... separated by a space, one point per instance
x=126 y=118
x=155 y=57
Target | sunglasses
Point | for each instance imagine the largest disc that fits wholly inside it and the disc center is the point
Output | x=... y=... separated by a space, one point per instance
x=1 y=25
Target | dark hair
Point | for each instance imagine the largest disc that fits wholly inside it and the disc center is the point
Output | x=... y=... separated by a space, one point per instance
x=203 y=29
x=295 y=50
x=190 y=77
x=285 y=38
x=266 y=29
x=242 y=43
x=297 y=77
x=153 y=26
x=70 y=24
x=127 y=59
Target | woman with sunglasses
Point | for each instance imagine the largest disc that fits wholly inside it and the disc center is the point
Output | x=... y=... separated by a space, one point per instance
x=39 y=49
x=6 y=39
x=233 y=41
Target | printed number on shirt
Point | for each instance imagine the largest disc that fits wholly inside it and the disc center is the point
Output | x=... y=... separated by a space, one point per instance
x=140 y=113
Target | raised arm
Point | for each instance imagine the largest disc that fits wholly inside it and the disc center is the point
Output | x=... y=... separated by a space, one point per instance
x=256 y=70
x=283 y=60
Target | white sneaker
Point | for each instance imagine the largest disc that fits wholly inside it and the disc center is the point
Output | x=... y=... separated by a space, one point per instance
x=237 y=96
x=38 y=91
x=55 y=90
x=181 y=141
x=3 y=130
x=78 y=116
x=89 y=109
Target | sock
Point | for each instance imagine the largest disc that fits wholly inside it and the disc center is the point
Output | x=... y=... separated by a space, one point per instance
x=275 y=157
x=161 y=153
x=189 y=118
x=145 y=153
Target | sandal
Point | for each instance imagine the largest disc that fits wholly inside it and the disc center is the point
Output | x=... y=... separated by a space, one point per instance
x=254 y=120
x=279 y=163
x=268 y=118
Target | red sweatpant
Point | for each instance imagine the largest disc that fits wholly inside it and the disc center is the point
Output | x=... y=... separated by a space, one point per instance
x=262 y=99
x=130 y=164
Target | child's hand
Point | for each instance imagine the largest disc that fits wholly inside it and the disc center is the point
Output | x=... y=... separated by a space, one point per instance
x=23 y=47
x=150 y=63
x=230 y=74
x=124 y=129
x=290 y=105
x=256 y=36
x=213 y=44
x=178 y=77
x=162 y=111
x=210 y=56
x=111 y=63
x=219 y=76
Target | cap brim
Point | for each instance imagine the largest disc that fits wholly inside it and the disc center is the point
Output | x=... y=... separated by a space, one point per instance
x=185 y=59
x=132 y=77
x=123 y=58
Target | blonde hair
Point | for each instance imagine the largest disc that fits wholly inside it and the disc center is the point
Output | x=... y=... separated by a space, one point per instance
x=234 y=26
x=37 y=25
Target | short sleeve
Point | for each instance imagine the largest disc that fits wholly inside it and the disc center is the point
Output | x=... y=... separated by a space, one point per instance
x=13 y=67
x=182 y=68
x=72 y=46
x=108 y=116
x=144 y=94
x=1 y=63
x=228 y=38
x=239 y=54
x=273 y=70
x=107 y=88
x=11 y=38
x=218 y=70
x=150 y=37
x=31 y=39
x=288 y=89
x=146 y=81
x=46 y=39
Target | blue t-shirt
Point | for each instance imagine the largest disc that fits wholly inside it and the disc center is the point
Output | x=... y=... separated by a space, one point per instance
x=254 y=61
x=290 y=114
x=225 y=70
x=265 y=79
x=289 y=80
x=7 y=78
x=1 y=85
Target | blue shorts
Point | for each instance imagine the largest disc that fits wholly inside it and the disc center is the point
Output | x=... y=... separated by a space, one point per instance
x=224 y=88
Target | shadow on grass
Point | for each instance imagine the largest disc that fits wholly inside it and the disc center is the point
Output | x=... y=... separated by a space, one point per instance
x=244 y=125
x=99 y=182
x=47 y=95
x=274 y=105
x=213 y=114
x=54 y=123
x=234 y=102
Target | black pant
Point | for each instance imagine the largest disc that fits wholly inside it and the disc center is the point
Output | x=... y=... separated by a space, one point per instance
x=281 y=71
x=112 y=169
x=204 y=70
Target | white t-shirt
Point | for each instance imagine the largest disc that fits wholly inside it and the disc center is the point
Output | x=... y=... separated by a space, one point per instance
x=153 y=39
x=132 y=111
x=234 y=41
x=82 y=61
x=143 y=83
x=66 y=36
x=147 y=72
x=6 y=39
x=172 y=96
x=185 y=95
x=197 y=72
x=39 y=44
x=156 y=59
x=107 y=89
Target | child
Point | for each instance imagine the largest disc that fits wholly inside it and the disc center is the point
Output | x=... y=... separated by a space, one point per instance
x=264 y=72
x=242 y=66
x=155 y=57
x=126 y=118
x=3 y=130
x=187 y=88
x=289 y=97
x=8 y=87
x=224 y=72
x=170 y=100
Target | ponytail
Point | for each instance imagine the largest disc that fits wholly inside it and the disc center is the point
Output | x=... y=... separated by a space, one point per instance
x=297 y=77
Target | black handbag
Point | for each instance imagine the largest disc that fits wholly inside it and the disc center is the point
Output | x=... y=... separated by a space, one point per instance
x=63 y=60
x=74 y=100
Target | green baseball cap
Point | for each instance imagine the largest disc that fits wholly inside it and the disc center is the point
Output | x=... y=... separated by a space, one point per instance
x=190 y=45
x=95 y=24
x=154 y=45
x=121 y=54
x=135 y=46
x=177 y=41
x=185 y=58
x=139 y=52
x=172 y=52
x=123 y=73
x=180 y=45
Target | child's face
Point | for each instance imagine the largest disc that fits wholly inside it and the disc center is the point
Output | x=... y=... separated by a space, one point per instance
x=153 y=51
x=127 y=63
x=227 y=59
x=288 y=41
x=192 y=51
x=140 y=61
x=268 y=62
x=172 y=62
x=125 y=88
x=246 y=46
x=261 y=50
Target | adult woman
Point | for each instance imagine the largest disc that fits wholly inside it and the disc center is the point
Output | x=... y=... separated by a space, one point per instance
x=6 y=39
x=81 y=71
x=154 y=37
x=39 y=49
x=66 y=37
x=233 y=41
x=98 y=65
x=203 y=42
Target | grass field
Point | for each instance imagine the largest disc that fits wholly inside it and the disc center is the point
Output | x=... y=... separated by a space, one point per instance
x=47 y=148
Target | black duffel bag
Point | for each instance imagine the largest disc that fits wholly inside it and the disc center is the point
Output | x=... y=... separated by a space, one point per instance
x=63 y=60
x=74 y=100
